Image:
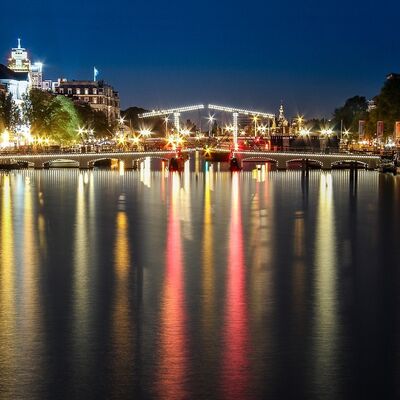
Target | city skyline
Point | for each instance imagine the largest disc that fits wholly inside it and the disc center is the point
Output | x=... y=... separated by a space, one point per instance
x=310 y=56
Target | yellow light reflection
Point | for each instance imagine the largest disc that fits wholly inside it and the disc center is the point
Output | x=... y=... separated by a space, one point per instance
x=325 y=283
x=145 y=172
x=7 y=290
x=82 y=281
x=122 y=327
x=121 y=168
x=208 y=258
x=30 y=312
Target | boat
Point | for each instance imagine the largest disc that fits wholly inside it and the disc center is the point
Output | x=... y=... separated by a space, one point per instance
x=9 y=164
x=25 y=164
x=388 y=164
x=61 y=164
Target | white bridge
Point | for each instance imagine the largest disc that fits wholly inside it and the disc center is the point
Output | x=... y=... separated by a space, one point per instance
x=87 y=160
x=281 y=159
x=326 y=161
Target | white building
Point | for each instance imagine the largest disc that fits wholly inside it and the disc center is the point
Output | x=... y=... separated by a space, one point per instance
x=16 y=83
x=20 y=62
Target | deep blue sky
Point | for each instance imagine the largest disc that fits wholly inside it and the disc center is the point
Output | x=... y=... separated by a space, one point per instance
x=311 y=54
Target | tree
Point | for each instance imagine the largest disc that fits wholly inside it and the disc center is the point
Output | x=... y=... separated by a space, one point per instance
x=9 y=112
x=387 y=106
x=354 y=109
x=156 y=124
x=94 y=119
x=51 y=116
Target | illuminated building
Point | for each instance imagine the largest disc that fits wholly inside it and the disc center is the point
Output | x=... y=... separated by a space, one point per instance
x=36 y=74
x=19 y=61
x=282 y=121
x=98 y=94
x=16 y=83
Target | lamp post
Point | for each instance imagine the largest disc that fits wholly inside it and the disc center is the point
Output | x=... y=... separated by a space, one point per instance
x=210 y=124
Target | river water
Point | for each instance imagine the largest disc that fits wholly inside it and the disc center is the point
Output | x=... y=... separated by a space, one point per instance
x=201 y=285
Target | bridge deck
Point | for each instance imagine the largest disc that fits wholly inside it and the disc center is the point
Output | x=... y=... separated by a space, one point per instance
x=280 y=158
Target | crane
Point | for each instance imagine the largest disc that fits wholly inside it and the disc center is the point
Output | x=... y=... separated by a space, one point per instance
x=175 y=111
x=235 y=113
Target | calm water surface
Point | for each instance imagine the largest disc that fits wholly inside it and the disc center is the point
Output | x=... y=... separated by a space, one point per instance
x=201 y=285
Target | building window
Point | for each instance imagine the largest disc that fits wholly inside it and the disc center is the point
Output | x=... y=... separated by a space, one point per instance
x=86 y=91
x=94 y=91
x=78 y=91
x=87 y=99
x=95 y=100
x=61 y=90
x=69 y=91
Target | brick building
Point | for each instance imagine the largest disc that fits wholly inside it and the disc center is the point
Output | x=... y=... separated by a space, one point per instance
x=98 y=94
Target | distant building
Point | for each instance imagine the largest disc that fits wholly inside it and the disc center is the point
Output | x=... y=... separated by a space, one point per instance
x=98 y=94
x=283 y=123
x=16 y=83
x=47 y=85
x=36 y=75
x=19 y=61
x=371 y=105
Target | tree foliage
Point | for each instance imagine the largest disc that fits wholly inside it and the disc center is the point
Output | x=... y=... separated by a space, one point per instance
x=51 y=116
x=353 y=110
x=94 y=119
x=387 y=107
x=9 y=112
x=131 y=115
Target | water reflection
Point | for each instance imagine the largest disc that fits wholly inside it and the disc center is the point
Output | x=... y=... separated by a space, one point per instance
x=235 y=368
x=122 y=337
x=208 y=274
x=172 y=366
x=214 y=285
x=8 y=337
x=325 y=289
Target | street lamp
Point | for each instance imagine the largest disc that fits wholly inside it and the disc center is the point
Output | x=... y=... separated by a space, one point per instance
x=210 y=124
x=255 y=119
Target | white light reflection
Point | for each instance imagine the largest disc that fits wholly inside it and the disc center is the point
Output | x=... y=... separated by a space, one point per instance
x=325 y=286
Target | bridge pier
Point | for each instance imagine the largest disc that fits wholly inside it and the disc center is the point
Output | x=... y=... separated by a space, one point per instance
x=84 y=164
x=281 y=165
x=38 y=164
x=326 y=164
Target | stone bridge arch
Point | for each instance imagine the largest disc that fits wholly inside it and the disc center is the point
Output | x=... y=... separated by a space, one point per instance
x=300 y=160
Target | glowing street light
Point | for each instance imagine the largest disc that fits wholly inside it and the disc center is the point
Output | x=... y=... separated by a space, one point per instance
x=255 y=119
x=145 y=132
x=211 y=120
x=304 y=132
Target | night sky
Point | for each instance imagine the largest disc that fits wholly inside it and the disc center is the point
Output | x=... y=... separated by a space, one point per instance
x=310 y=54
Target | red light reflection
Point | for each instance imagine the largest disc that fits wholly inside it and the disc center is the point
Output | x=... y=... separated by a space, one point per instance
x=235 y=371
x=173 y=356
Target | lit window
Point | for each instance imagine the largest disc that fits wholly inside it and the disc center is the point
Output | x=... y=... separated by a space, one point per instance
x=94 y=91
x=95 y=100
x=86 y=91
x=78 y=91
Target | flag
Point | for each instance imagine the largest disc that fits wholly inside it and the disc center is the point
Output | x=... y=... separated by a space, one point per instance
x=95 y=73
